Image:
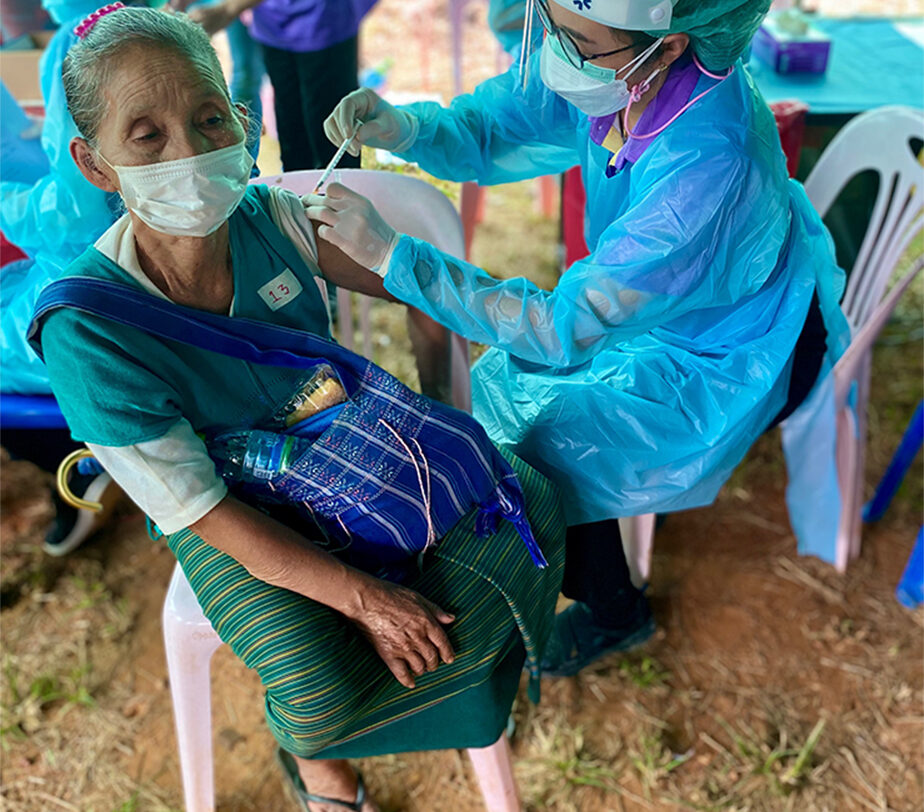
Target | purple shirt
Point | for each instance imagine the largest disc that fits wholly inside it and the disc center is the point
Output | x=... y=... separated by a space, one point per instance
x=674 y=94
x=307 y=25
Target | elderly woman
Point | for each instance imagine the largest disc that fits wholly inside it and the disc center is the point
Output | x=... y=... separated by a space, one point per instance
x=343 y=656
x=703 y=314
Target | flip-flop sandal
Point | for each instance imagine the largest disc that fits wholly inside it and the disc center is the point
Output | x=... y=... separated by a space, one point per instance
x=297 y=786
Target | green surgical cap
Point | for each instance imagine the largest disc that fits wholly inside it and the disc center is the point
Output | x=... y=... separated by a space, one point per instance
x=719 y=30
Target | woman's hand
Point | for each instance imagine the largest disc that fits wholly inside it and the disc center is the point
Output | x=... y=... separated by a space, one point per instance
x=404 y=629
x=351 y=223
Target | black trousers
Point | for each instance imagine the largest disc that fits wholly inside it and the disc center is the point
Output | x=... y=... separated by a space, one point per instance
x=307 y=87
x=596 y=570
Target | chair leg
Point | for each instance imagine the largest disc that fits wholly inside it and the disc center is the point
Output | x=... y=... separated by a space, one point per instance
x=470 y=201
x=188 y=657
x=345 y=317
x=547 y=195
x=859 y=481
x=847 y=453
x=638 y=542
x=365 y=323
x=494 y=769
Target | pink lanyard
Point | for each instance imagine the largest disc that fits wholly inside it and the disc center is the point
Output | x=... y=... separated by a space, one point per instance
x=637 y=93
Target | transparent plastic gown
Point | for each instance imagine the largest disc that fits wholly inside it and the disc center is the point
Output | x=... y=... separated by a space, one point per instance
x=640 y=381
x=52 y=220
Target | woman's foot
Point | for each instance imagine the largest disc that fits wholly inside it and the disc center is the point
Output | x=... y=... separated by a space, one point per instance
x=326 y=785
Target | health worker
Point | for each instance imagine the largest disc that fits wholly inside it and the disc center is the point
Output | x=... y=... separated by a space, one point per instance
x=703 y=314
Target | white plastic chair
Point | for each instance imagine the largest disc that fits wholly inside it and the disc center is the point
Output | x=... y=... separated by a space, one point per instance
x=190 y=642
x=879 y=140
x=413 y=207
x=416 y=208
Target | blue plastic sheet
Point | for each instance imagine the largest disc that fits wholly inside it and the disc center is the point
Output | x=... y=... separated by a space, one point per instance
x=52 y=220
x=24 y=161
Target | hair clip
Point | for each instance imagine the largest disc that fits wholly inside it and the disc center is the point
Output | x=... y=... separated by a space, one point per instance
x=87 y=24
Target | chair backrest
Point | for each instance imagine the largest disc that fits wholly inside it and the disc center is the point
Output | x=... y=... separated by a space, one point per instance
x=411 y=206
x=408 y=204
x=880 y=140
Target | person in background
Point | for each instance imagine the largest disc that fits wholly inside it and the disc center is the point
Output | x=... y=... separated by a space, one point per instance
x=311 y=55
x=703 y=315
x=247 y=69
x=18 y=17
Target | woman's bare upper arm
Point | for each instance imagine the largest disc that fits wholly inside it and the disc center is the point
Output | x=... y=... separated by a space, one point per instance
x=337 y=268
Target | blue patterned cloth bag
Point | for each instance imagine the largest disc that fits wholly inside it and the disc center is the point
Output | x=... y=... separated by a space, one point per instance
x=391 y=473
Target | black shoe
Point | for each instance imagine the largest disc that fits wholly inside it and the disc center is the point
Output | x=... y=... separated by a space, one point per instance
x=73 y=526
x=577 y=640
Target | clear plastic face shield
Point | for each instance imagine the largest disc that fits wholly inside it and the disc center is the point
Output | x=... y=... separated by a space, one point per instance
x=632 y=15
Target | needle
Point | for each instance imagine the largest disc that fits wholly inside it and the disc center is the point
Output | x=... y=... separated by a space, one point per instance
x=336 y=159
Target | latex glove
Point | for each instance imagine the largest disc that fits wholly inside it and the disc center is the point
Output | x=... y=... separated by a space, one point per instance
x=350 y=222
x=383 y=124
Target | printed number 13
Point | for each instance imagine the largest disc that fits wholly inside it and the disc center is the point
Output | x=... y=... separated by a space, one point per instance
x=283 y=289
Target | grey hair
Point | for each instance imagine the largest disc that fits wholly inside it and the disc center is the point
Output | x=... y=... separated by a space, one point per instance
x=88 y=63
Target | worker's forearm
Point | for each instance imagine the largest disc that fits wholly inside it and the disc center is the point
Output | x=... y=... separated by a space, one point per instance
x=237 y=7
x=277 y=555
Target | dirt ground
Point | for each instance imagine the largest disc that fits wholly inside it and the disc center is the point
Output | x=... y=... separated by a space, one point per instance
x=772 y=683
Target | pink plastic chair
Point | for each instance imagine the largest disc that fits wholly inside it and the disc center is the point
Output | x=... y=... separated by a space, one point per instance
x=880 y=140
x=412 y=207
x=190 y=642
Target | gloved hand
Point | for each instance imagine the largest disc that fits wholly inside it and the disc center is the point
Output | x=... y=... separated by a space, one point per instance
x=350 y=222
x=383 y=124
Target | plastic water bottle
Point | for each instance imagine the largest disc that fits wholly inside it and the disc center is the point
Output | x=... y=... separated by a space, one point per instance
x=255 y=456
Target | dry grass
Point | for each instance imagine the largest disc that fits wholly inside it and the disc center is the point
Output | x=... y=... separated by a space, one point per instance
x=772 y=683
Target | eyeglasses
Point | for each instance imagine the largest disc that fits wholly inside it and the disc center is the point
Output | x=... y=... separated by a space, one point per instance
x=568 y=45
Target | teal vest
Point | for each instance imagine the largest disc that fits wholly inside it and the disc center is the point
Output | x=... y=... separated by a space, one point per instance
x=117 y=385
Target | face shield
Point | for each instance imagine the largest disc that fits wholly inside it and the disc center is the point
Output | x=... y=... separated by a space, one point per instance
x=632 y=15
x=651 y=16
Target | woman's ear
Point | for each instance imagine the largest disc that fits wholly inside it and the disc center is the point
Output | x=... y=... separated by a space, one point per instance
x=673 y=47
x=85 y=158
x=243 y=115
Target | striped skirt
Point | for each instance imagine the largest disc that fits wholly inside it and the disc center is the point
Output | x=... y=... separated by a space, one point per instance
x=326 y=685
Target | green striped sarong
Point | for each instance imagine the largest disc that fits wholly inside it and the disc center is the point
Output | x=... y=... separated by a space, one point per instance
x=326 y=685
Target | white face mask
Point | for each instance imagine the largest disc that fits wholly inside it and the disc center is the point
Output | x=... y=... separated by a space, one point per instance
x=191 y=197
x=593 y=90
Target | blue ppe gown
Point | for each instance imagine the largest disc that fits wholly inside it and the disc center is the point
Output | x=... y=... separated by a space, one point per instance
x=640 y=381
x=52 y=219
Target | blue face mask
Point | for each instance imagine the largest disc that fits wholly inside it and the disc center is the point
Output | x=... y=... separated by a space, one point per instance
x=593 y=90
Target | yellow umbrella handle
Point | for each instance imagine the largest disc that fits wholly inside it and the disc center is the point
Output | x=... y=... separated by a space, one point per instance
x=64 y=471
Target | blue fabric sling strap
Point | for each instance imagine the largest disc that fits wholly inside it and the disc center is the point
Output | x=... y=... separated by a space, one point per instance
x=391 y=474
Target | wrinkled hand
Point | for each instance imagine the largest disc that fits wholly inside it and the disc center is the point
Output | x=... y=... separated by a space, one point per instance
x=404 y=629
x=212 y=18
x=383 y=124
x=350 y=222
